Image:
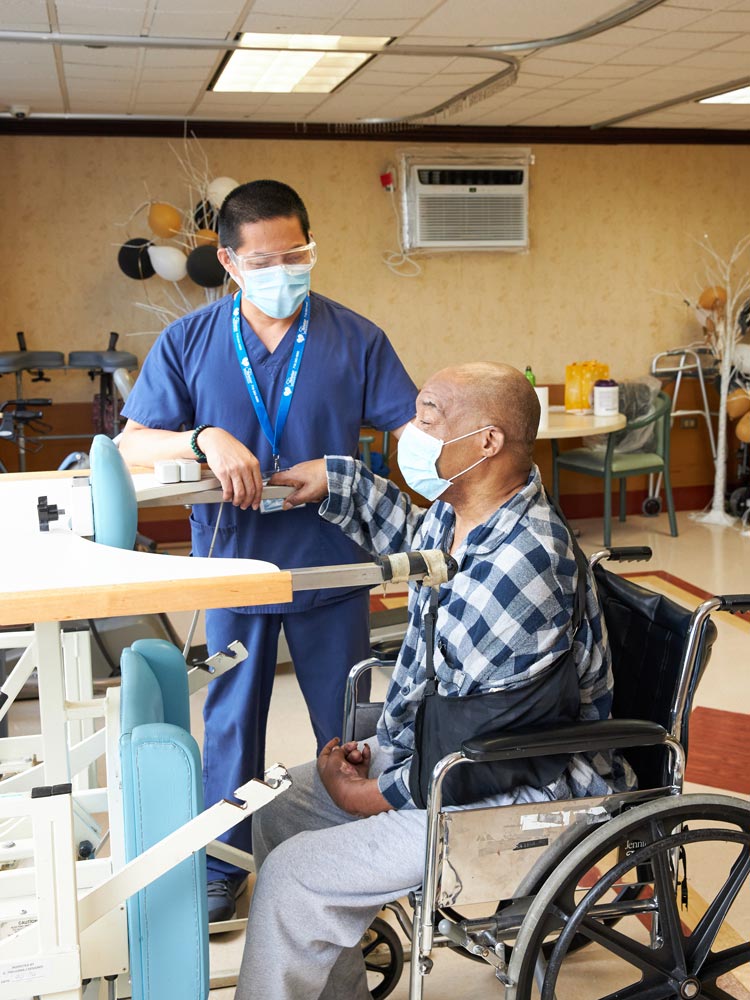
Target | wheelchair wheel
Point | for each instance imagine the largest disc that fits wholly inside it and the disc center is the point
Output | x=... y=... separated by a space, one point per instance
x=384 y=958
x=670 y=942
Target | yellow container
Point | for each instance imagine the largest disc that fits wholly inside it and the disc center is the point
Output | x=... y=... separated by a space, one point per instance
x=579 y=384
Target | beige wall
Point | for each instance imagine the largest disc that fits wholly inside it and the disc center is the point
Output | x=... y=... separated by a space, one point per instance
x=611 y=231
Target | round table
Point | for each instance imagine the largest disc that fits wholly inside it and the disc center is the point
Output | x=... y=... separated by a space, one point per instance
x=565 y=424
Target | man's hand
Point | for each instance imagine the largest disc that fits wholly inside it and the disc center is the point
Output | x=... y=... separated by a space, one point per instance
x=234 y=465
x=309 y=480
x=344 y=772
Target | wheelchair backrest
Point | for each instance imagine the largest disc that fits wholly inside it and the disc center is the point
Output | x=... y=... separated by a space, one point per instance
x=648 y=638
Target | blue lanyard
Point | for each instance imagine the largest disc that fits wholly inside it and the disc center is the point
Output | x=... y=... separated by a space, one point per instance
x=273 y=436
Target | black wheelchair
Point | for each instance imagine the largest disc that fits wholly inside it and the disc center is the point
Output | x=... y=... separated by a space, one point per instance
x=612 y=873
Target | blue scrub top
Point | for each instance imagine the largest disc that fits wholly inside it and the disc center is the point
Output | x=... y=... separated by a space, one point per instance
x=350 y=375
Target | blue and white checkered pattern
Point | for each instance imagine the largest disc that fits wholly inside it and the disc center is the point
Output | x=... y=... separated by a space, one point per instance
x=503 y=619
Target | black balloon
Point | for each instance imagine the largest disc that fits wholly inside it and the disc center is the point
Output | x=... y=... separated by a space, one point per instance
x=205 y=216
x=204 y=267
x=134 y=260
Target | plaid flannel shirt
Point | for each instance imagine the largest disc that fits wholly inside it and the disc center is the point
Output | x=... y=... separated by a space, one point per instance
x=504 y=617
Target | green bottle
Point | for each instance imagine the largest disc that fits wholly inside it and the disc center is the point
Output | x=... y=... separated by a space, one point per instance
x=530 y=375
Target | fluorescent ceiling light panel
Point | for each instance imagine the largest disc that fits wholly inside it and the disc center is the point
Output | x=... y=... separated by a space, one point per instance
x=284 y=64
x=740 y=96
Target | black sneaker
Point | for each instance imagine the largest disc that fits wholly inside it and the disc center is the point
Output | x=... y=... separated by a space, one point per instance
x=222 y=895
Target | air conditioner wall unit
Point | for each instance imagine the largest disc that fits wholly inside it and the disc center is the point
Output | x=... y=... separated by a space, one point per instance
x=452 y=205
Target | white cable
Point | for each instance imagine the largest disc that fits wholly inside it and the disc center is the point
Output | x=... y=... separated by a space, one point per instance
x=397 y=260
x=194 y=622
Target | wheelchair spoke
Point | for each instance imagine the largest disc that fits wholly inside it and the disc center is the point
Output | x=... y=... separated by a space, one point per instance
x=666 y=893
x=726 y=961
x=642 y=957
x=710 y=923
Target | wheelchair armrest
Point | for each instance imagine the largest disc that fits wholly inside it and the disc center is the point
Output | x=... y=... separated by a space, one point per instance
x=387 y=650
x=579 y=737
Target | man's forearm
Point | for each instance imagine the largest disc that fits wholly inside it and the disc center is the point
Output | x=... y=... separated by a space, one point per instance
x=369 y=509
x=146 y=446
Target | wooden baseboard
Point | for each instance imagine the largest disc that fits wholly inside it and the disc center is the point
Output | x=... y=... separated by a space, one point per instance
x=577 y=505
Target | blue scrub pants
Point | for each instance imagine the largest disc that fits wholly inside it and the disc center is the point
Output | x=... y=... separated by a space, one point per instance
x=324 y=643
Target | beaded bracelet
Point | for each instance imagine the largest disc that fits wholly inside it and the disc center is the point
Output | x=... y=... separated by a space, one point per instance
x=194 y=442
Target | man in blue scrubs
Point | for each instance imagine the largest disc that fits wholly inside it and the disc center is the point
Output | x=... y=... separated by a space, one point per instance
x=259 y=381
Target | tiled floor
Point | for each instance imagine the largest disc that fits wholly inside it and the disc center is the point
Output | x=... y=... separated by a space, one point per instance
x=702 y=560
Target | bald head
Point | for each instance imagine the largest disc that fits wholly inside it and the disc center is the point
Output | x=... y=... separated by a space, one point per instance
x=497 y=394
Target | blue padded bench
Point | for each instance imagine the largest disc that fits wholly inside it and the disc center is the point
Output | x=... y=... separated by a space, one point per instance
x=161 y=790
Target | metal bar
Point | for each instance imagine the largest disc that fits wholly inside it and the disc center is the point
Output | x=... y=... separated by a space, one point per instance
x=50 y=671
x=173 y=848
x=494 y=53
x=324 y=577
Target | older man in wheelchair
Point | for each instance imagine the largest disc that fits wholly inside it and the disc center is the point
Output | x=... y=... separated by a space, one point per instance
x=516 y=637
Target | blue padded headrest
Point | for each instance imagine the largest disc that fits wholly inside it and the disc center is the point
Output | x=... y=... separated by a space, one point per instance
x=112 y=496
x=140 y=693
x=169 y=667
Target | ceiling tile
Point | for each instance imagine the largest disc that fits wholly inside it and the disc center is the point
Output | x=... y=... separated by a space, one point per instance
x=222 y=8
x=287 y=23
x=372 y=26
x=730 y=20
x=209 y=23
x=629 y=36
x=24 y=15
x=671 y=17
x=608 y=71
x=739 y=44
x=587 y=52
x=513 y=19
x=100 y=61
x=178 y=59
x=732 y=62
x=548 y=65
x=124 y=18
x=694 y=41
x=648 y=55
x=415 y=9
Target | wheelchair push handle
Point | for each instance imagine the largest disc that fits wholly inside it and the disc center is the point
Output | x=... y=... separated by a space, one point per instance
x=621 y=553
x=734 y=603
x=629 y=553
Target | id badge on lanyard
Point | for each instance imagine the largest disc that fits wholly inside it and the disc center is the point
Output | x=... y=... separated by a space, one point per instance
x=273 y=434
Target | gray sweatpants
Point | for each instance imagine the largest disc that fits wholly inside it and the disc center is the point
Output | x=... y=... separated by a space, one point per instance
x=323 y=875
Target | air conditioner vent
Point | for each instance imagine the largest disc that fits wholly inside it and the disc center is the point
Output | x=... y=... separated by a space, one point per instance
x=484 y=218
x=465 y=204
x=430 y=175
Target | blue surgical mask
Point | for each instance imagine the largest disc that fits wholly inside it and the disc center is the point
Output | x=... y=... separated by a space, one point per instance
x=277 y=291
x=418 y=453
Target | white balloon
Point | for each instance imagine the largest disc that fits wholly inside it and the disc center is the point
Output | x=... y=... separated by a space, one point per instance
x=219 y=188
x=168 y=262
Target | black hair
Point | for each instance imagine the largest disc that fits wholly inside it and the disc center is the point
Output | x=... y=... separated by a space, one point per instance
x=255 y=202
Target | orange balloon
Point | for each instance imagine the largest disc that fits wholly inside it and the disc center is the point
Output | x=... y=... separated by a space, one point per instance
x=165 y=220
x=206 y=238
x=713 y=298
x=742 y=430
x=738 y=403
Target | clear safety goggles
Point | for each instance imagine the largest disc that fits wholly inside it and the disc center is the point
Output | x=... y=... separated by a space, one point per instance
x=296 y=261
